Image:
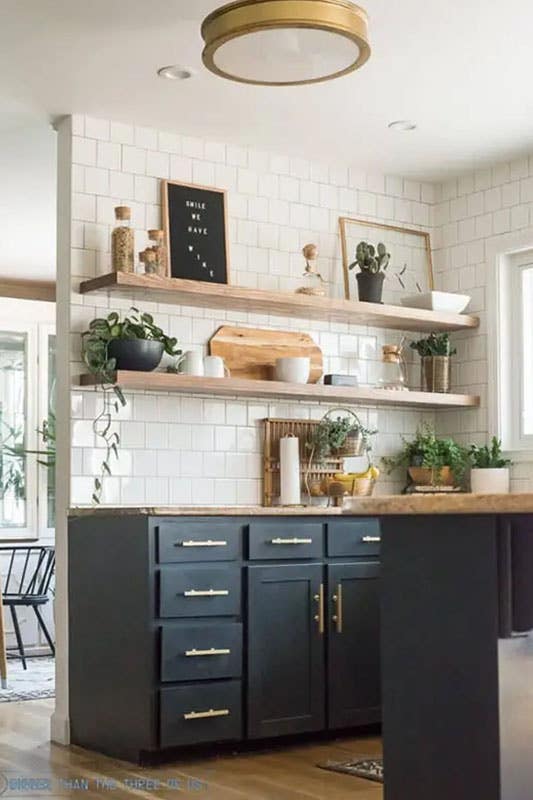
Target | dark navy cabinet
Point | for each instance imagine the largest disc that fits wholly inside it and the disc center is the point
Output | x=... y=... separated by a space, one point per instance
x=286 y=659
x=188 y=630
x=354 y=691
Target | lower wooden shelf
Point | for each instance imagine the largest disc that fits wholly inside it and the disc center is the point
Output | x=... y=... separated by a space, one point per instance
x=238 y=387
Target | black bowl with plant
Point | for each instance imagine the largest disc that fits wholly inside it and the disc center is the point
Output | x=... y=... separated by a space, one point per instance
x=134 y=343
x=110 y=344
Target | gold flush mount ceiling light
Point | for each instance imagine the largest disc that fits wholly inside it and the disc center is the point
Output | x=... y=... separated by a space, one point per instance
x=285 y=42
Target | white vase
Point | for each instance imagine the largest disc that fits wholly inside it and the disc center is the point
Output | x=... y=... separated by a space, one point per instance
x=490 y=481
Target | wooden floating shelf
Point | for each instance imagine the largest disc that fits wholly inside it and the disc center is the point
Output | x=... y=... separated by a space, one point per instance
x=275 y=390
x=177 y=291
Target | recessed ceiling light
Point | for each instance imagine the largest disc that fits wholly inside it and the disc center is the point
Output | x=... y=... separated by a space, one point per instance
x=402 y=125
x=175 y=72
x=285 y=42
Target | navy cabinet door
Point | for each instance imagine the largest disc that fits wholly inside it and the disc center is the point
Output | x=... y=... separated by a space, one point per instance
x=286 y=670
x=354 y=682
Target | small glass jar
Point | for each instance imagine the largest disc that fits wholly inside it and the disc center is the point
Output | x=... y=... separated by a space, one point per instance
x=122 y=242
x=393 y=373
x=160 y=250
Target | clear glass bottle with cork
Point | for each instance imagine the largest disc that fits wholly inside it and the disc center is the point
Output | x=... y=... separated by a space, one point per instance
x=122 y=241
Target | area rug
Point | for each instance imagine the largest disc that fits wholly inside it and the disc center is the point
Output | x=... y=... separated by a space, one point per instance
x=369 y=768
x=31 y=684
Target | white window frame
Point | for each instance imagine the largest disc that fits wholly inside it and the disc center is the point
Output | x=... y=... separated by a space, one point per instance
x=31 y=530
x=506 y=257
x=45 y=330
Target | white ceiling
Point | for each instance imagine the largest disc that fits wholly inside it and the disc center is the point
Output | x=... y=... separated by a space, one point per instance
x=462 y=70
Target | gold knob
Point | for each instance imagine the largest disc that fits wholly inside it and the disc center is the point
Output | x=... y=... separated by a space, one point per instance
x=334 y=618
x=317 y=618
x=316 y=598
x=334 y=598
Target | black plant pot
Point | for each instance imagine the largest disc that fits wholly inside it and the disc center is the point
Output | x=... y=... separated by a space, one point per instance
x=370 y=286
x=141 y=355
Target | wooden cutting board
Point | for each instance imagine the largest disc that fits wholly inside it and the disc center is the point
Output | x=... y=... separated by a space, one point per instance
x=252 y=353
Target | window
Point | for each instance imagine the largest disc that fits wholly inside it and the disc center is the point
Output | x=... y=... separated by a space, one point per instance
x=27 y=430
x=513 y=385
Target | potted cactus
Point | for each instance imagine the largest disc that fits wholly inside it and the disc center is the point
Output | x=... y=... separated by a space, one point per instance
x=490 y=470
x=372 y=263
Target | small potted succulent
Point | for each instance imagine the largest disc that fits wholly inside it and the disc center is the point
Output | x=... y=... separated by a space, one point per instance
x=372 y=263
x=435 y=352
x=490 y=470
x=430 y=460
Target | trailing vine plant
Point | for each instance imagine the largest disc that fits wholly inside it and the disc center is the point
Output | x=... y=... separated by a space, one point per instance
x=95 y=344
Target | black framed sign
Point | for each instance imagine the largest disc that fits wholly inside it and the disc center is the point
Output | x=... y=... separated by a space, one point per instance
x=194 y=220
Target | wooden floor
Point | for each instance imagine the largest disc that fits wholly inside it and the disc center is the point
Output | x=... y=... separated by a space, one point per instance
x=283 y=774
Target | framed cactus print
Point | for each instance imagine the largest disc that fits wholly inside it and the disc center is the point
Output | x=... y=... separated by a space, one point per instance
x=403 y=255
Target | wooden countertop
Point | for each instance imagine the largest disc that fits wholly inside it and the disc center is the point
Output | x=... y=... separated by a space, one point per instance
x=360 y=506
x=440 y=504
x=204 y=511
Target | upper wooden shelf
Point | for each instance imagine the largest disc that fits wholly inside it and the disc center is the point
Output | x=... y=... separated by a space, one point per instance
x=177 y=291
x=240 y=387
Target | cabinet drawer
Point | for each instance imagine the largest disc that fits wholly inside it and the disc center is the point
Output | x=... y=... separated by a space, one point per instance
x=285 y=540
x=183 y=541
x=354 y=537
x=201 y=652
x=198 y=591
x=209 y=712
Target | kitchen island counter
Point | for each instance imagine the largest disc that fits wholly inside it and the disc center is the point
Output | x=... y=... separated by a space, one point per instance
x=380 y=505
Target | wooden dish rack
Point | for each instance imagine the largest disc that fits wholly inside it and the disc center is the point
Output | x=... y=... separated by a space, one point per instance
x=274 y=430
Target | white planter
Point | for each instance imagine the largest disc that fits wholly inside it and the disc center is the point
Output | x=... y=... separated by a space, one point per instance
x=490 y=481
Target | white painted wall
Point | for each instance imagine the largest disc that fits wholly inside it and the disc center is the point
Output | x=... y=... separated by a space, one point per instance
x=28 y=177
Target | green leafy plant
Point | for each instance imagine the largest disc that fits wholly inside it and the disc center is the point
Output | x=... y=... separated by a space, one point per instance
x=331 y=434
x=371 y=259
x=436 y=344
x=95 y=346
x=13 y=461
x=429 y=451
x=486 y=457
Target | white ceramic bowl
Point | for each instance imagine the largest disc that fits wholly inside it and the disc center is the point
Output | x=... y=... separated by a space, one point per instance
x=438 y=301
x=293 y=369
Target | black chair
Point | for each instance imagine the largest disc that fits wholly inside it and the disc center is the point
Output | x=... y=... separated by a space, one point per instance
x=29 y=575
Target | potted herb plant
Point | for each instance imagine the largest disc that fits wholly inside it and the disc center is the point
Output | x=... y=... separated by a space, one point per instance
x=372 y=263
x=490 y=470
x=430 y=460
x=339 y=437
x=435 y=352
x=134 y=343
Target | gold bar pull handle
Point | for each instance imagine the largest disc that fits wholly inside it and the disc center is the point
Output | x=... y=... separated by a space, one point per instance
x=337 y=616
x=213 y=712
x=319 y=617
x=206 y=543
x=369 y=539
x=291 y=541
x=206 y=593
x=213 y=651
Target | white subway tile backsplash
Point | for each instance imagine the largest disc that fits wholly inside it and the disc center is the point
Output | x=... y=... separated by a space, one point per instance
x=208 y=450
x=133 y=160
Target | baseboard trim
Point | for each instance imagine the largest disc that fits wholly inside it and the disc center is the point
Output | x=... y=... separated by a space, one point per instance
x=60 y=729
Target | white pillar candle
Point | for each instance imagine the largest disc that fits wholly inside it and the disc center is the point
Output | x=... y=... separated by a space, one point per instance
x=289 y=471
